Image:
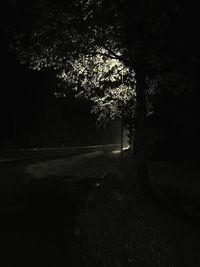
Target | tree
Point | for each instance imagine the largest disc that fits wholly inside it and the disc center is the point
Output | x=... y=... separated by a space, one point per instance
x=96 y=73
x=140 y=34
x=105 y=81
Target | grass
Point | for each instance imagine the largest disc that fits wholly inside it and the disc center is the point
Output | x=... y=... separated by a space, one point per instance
x=112 y=229
x=117 y=209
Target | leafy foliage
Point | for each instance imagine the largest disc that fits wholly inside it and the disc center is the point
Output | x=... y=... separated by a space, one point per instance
x=76 y=36
x=105 y=81
x=87 y=54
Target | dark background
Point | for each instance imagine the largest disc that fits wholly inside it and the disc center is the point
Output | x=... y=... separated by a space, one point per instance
x=30 y=114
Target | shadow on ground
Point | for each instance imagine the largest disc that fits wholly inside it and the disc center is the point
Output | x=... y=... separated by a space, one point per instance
x=38 y=222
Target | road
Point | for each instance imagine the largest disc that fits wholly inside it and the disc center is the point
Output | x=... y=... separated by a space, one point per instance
x=15 y=156
x=38 y=218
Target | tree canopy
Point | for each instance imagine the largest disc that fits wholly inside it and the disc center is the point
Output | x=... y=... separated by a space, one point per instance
x=156 y=35
x=86 y=54
x=150 y=41
x=53 y=32
x=105 y=81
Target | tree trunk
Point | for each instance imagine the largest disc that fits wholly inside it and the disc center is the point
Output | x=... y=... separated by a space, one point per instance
x=122 y=137
x=130 y=135
x=142 y=169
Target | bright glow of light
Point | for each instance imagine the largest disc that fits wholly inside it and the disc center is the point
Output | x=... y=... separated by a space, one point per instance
x=119 y=151
x=116 y=152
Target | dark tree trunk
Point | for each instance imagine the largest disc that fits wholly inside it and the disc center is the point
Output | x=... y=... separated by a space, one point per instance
x=142 y=169
x=130 y=135
x=121 y=137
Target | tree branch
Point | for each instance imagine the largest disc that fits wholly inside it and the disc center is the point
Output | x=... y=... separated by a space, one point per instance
x=102 y=54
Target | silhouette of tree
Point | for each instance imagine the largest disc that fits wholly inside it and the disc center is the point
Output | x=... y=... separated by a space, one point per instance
x=141 y=35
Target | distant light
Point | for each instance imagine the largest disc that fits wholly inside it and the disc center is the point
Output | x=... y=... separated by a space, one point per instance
x=116 y=152
x=126 y=147
x=59 y=95
x=119 y=151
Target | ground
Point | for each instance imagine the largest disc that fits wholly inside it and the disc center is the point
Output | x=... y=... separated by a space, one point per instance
x=41 y=204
